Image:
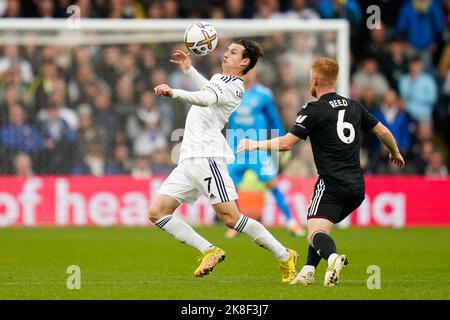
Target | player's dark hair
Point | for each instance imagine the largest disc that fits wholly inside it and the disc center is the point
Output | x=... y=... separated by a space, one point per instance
x=253 y=51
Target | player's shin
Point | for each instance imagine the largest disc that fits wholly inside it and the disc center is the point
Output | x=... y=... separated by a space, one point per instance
x=324 y=246
x=313 y=258
x=183 y=232
x=259 y=234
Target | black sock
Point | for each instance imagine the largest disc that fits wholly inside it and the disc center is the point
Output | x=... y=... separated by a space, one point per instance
x=313 y=258
x=323 y=244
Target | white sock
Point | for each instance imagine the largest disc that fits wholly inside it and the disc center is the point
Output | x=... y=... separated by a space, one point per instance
x=183 y=232
x=259 y=234
x=307 y=268
x=332 y=257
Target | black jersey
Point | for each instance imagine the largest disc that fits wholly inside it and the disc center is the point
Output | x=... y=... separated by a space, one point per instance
x=333 y=124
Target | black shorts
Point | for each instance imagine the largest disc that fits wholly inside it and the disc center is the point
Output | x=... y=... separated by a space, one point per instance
x=328 y=203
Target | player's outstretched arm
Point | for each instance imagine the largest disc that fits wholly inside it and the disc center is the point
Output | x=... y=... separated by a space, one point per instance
x=388 y=140
x=203 y=98
x=182 y=59
x=283 y=143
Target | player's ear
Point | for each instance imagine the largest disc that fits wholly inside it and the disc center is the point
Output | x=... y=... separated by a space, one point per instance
x=245 y=62
x=315 y=81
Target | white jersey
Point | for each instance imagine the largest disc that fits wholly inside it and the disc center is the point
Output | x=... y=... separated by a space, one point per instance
x=203 y=129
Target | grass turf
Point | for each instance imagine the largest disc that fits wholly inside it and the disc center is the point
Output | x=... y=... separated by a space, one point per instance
x=146 y=263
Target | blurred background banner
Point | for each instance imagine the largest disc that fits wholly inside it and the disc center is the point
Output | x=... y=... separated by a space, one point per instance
x=123 y=201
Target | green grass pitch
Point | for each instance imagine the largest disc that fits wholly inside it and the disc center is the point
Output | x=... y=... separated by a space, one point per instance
x=147 y=263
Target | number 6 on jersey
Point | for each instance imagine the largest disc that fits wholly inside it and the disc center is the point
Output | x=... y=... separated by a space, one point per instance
x=341 y=126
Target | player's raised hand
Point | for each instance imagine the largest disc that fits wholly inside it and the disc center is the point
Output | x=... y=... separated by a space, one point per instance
x=163 y=90
x=397 y=159
x=247 y=145
x=182 y=59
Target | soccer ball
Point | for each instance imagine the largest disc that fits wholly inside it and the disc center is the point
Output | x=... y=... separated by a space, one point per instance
x=200 y=38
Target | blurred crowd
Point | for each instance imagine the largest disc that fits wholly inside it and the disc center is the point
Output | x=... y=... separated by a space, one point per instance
x=91 y=110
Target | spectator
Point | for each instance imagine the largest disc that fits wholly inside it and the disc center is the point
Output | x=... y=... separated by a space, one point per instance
x=300 y=57
x=86 y=10
x=122 y=158
x=45 y=83
x=23 y=166
x=333 y=9
x=46 y=9
x=90 y=135
x=419 y=90
x=444 y=63
x=94 y=164
x=327 y=44
x=234 y=9
x=69 y=116
x=11 y=97
x=300 y=10
x=377 y=44
x=141 y=168
x=59 y=98
x=132 y=9
x=125 y=98
x=369 y=99
x=108 y=65
x=11 y=58
x=422 y=22
x=159 y=162
x=368 y=75
x=17 y=136
x=151 y=138
x=13 y=9
x=127 y=65
x=217 y=12
x=421 y=160
x=289 y=103
x=155 y=10
x=170 y=9
x=436 y=167
x=105 y=117
x=395 y=119
x=394 y=63
x=136 y=123
x=127 y=9
x=84 y=88
x=59 y=139
x=267 y=9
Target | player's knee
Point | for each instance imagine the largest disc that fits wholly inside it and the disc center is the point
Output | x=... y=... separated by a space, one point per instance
x=228 y=220
x=156 y=212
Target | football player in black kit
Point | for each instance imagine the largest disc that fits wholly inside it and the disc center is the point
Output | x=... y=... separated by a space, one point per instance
x=334 y=124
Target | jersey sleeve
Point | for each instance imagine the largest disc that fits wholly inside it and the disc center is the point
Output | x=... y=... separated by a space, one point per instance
x=368 y=120
x=224 y=88
x=305 y=121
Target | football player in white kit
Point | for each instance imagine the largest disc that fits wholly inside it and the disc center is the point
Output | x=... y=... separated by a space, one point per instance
x=203 y=156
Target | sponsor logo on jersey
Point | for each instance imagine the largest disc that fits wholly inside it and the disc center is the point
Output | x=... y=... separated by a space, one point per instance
x=217 y=86
x=299 y=120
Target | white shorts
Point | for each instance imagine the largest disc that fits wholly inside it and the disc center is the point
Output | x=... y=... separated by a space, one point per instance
x=196 y=176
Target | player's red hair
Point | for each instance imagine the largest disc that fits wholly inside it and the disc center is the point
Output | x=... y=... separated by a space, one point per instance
x=327 y=69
